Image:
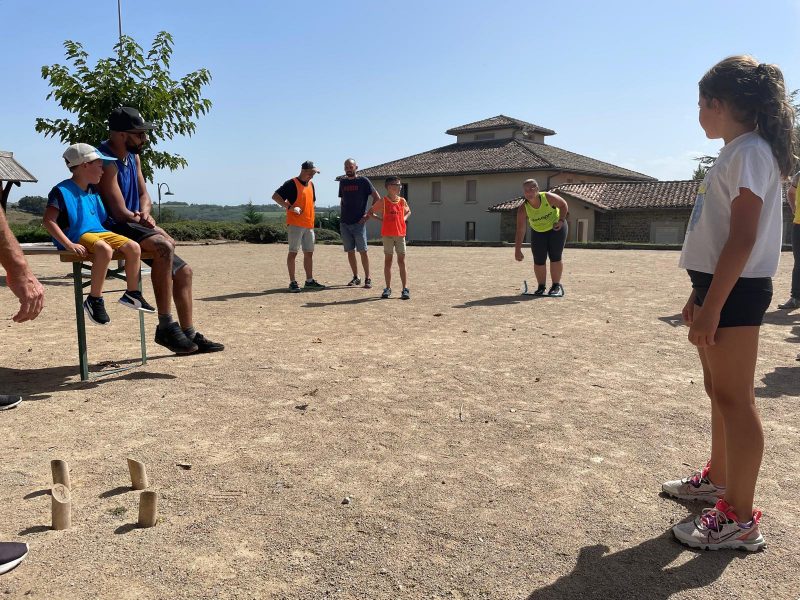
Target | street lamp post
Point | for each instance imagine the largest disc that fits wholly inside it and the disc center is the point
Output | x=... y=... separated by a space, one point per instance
x=167 y=193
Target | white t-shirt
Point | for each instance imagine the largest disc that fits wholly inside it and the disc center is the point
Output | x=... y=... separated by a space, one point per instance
x=747 y=162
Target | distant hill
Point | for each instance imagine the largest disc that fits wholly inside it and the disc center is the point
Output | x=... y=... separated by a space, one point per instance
x=216 y=212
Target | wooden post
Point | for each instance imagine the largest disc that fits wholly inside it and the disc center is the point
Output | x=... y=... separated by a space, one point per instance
x=138 y=475
x=61 y=507
x=60 y=470
x=148 y=508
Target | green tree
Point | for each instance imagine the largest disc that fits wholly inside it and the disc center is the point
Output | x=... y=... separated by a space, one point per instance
x=168 y=215
x=32 y=204
x=251 y=215
x=130 y=78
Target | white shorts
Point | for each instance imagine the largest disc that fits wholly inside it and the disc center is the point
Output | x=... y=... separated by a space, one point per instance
x=300 y=237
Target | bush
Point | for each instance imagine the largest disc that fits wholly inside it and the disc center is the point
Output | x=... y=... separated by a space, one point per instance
x=28 y=234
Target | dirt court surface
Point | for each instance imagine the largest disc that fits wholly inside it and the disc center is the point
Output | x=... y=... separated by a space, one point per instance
x=490 y=445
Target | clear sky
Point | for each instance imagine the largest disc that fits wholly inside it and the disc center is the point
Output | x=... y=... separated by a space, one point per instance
x=325 y=80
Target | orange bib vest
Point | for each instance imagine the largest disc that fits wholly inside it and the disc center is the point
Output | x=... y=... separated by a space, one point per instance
x=305 y=200
x=394 y=222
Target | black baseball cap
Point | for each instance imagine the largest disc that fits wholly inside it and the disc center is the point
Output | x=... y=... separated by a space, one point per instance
x=309 y=165
x=126 y=118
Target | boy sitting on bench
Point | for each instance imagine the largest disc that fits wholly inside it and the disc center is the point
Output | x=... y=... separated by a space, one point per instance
x=74 y=217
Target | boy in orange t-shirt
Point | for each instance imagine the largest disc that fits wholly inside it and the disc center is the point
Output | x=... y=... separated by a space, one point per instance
x=393 y=210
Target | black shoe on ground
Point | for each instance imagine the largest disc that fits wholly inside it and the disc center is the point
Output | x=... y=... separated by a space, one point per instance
x=95 y=309
x=11 y=554
x=313 y=285
x=206 y=345
x=367 y=283
x=173 y=339
x=353 y=282
x=386 y=292
x=7 y=402
x=293 y=287
x=540 y=290
x=557 y=291
x=406 y=294
x=136 y=301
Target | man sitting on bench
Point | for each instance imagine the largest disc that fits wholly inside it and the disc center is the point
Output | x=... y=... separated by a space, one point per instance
x=74 y=217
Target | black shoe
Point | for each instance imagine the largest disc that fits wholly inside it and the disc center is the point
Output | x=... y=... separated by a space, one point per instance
x=406 y=295
x=313 y=285
x=354 y=281
x=293 y=287
x=173 y=338
x=11 y=554
x=206 y=345
x=386 y=292
x=136 y=301
x=557 y=291
x=7 y=402
x=540 y=290
x=96 y=310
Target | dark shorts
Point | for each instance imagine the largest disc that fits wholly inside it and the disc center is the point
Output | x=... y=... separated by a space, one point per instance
x=138 y=233
x=548 y=244
x=748 y=301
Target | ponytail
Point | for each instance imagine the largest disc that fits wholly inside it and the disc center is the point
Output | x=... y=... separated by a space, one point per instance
x=756 y=94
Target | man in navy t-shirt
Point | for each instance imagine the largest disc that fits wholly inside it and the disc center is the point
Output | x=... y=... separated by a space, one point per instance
x=354 y=192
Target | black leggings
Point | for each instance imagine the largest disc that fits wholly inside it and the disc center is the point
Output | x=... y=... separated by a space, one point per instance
x=548 y=244
x=796 y=252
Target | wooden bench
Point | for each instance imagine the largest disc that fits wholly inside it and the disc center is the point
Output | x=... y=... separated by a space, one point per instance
x=79 y=267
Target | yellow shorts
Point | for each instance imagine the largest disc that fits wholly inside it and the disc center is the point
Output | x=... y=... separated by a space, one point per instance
x=88 y=240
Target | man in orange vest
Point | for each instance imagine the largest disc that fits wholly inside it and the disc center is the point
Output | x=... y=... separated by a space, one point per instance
x=297 y=196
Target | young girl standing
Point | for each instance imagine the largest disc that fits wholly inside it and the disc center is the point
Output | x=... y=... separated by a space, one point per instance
x=731 y=252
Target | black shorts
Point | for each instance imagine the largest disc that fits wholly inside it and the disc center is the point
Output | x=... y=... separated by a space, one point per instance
x=138 y=233
x=746 y=304
x=548 y=244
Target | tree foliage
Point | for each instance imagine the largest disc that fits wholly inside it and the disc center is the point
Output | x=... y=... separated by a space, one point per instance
x=251 y=215
x=32 y=204
x=130 y=78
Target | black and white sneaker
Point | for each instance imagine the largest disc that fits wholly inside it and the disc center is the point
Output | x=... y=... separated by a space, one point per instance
x=7 y=402
x=540 y=291
x=293 y=287
x=173 y=338
x=556 y=291
x=354 y=281
x=95 y=309
x=11 y=554
x=367 y=283
x=136 y=301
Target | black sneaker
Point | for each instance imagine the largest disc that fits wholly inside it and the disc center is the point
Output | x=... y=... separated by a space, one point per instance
x=540 y=290
x=206 y=345
x=293 y=287
x=7 y=402
x=353 y=282
x=173 y=338
x=556 y=291
x=386 y=292
x=314 y=285
x=96 y=310
x=368 y=283
x=406 y=294
x=136 y=301
x=11 y=554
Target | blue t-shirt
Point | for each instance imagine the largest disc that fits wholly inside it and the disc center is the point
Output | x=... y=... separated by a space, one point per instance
x=355 y=194
x=127 y=178
x=79 y=211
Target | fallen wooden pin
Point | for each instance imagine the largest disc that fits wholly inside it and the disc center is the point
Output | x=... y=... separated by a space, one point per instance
x=148 y=509
x=138 y=474
x=61 y=507
x=60 y=470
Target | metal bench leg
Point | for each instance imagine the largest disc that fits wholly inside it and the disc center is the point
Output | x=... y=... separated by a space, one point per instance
x=77 y=284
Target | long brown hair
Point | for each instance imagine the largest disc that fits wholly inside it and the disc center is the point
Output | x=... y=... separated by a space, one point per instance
x=756 y=94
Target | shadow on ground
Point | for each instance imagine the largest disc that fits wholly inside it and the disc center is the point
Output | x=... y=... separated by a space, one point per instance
x=499 y=300
x=237 y=295
x=40 y=384
x=641 y=572
x=340 y=302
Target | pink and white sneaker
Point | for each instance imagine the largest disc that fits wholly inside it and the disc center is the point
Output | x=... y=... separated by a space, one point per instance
x=696 y=486
x=719 y=527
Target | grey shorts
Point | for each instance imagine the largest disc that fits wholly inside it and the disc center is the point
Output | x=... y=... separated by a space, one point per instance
x=394 y=243
x=138 y=233
x=354 y=236
x=300 y=237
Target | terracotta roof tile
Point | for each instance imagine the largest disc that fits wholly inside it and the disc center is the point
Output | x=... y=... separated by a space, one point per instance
x=499 y=122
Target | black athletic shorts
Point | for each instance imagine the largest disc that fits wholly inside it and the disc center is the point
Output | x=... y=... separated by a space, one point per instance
x=548 y=244
x=138 y=233
x=748 y=301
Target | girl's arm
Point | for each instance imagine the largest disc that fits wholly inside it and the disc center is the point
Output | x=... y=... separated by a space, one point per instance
x=563 y=208
x=49 y=223
x=792 y=198
x=520 y=233
x=745 y=212
x=406 y=210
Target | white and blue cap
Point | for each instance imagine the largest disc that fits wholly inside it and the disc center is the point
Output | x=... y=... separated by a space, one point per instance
x=77 y=154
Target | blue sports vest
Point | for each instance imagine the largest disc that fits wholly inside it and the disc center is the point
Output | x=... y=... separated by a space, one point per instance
x=127 y=178
x=85 y=211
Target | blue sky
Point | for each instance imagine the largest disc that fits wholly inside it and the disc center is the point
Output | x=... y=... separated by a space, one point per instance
x=378 y=81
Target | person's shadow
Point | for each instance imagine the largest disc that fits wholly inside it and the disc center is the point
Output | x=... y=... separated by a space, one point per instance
x=640 y=572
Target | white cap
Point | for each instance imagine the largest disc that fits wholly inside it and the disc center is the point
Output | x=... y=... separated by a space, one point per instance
x=77 y=154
